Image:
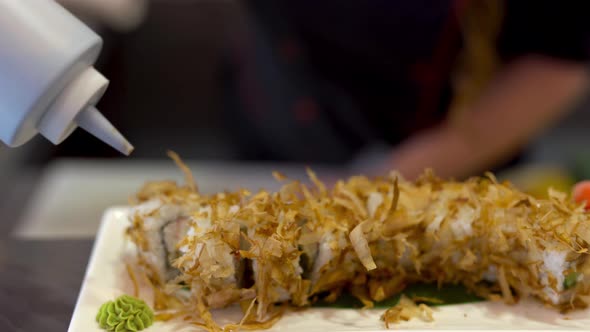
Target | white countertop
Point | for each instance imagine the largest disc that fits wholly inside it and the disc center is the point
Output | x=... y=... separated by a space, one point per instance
x=73 y=194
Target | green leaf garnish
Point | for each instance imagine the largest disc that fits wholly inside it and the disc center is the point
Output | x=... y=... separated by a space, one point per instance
x=448 y=294
x=570 y=280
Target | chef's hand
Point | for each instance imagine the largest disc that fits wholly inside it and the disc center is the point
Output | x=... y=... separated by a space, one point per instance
x=524 y=98
x=376 y=160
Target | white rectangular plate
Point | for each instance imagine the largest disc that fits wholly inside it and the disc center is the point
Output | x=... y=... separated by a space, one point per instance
x=106 y=278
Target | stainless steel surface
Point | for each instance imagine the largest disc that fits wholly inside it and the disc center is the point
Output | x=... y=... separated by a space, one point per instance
x=39 y=280
x=17 y=185
x=39 y=283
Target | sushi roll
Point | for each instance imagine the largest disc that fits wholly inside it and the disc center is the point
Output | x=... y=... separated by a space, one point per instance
x=369 y=237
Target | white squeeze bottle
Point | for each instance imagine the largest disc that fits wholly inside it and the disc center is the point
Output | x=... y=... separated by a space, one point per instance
x=48 y=83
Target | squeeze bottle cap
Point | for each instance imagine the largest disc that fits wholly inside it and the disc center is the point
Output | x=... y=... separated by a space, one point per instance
x=74 y=107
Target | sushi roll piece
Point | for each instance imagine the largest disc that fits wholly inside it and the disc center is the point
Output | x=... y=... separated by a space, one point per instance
x=210 y=261
x=481 y=232
x=272 y=235
x=184 y=248
x=159 y=226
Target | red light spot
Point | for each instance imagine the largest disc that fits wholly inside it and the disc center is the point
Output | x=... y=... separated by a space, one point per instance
x=289 y=50
x=306 y=110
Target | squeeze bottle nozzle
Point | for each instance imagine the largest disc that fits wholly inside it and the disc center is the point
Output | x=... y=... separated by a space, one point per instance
x=95 y=123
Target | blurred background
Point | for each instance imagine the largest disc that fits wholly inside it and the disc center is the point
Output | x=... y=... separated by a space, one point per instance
x=239 y=88
x=169 y=63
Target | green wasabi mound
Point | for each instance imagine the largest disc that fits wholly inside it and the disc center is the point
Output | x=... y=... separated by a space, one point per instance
x=125 y=314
